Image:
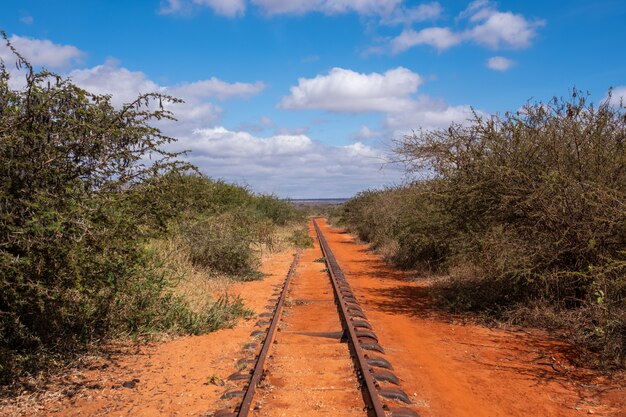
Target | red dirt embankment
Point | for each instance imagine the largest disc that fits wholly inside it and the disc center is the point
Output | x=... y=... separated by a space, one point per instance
x=448 y=368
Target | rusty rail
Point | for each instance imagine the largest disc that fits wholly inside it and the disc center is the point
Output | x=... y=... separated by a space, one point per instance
x=378 y=383
x=259 y=367
x=372 y=370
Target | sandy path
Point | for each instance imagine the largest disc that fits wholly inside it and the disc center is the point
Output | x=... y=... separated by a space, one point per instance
x=467 y=370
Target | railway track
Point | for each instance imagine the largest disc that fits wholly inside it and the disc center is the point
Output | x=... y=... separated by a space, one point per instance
x=322 y=356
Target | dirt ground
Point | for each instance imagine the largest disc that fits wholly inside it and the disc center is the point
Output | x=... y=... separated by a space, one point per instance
x=311 y=373
x=449 y=368
x=455 y=369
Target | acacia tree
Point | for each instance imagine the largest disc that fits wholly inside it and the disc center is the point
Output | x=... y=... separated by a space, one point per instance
x=70 y=231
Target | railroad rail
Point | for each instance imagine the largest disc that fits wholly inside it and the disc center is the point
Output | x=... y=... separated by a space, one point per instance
x=379 y=386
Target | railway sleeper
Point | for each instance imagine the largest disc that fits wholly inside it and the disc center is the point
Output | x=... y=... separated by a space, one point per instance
x=384 y=375
x=378 y=361
x=232 y=394
x=240 y=376
x=402 y=412
x=368 y=343
x=225 y=413
x=358 y=314
x=250 y=346
x=366 y=333
x=394 y=393
x=361 y=323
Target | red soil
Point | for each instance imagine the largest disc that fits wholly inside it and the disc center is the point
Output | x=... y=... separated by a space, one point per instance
x=466 y=369
x=176 y=378
x=448 y=368
x=310 y=370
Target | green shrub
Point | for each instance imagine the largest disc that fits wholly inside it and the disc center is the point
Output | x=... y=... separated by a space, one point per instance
x=300 y=238
x=222 y=244
x=521 y=209
x=78 y=204
x=278 y=211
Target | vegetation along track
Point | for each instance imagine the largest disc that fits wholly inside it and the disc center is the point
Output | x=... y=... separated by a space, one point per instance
x=323 y=362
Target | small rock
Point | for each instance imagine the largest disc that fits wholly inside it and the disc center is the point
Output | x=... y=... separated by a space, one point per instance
x=129 y=384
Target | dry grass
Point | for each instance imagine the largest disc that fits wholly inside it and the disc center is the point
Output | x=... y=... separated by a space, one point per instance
x=281 y=239
x=199 y=287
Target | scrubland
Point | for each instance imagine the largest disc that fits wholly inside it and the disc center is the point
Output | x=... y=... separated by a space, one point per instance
x=521 y=216
x=105 y=234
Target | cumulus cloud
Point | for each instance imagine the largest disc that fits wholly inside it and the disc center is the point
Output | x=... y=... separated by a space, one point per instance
x=487 y=27
x=42 y=52
x=109 y=78
x=504 y=30
x=288 y=162
x=219 y=89
x=125 y=85
x=499 y=63
x=289 y=165
x=393 y=94
x=439 y=38
x=344 y=90
x=427 y=114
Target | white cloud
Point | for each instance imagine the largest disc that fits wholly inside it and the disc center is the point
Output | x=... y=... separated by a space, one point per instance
x=221 y=142
x=344 y=90
x=409 y=15
x=289 y=165
x=109 y=78
x=618 y=96
x=331 y=7
x=477 y=9
x=41 y=52
x=504 y=29
x=439 y=38
x=171 y=6
x=125 y=85
x=427 y=113
x=366 y=133
x=222 y=90
x=258 y=126
x=499 y=63
x=393 y=94
x=228 y=8
x=487 y=27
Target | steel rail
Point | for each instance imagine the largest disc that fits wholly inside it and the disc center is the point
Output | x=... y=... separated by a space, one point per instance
x=259 y=367
x=370 y=392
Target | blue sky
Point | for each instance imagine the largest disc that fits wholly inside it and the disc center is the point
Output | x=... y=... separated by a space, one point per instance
x=303 y=98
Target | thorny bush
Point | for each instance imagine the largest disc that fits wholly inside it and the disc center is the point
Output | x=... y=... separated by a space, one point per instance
x=84 y=187
x=525 y=212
